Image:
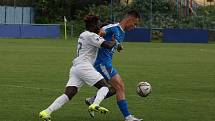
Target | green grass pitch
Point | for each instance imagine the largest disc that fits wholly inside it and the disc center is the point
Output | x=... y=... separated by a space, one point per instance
x=33 y=72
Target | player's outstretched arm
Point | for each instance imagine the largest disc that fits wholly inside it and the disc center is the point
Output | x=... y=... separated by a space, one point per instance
x=108 y=44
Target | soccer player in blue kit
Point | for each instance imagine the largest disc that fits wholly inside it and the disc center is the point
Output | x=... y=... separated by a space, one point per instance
x=103 y=63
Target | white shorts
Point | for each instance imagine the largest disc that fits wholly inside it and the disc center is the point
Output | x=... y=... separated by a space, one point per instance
x=83 y=73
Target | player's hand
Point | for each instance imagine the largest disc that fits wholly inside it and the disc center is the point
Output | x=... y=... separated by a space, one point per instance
x=119 y=47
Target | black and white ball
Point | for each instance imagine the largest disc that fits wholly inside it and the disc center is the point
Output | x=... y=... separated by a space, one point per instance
x=144 y=89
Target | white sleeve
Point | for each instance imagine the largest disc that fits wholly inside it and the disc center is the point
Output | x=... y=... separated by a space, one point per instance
x=96 y=40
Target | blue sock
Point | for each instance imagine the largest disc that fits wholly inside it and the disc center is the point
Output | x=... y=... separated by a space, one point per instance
x=123 y=106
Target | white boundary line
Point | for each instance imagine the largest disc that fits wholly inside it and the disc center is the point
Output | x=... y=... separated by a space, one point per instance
x=35 y=88
x=60 y=90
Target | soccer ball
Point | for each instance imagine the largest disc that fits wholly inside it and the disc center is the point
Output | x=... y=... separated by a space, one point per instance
x=144 y=89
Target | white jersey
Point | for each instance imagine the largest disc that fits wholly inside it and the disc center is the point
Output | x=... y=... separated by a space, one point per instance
x=87 y=49
x=82 y=70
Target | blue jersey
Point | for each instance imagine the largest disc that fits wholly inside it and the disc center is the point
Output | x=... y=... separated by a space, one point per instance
x=103 y=62
x=105 y=55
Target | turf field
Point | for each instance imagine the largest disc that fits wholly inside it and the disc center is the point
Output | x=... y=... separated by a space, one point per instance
x=33 y=72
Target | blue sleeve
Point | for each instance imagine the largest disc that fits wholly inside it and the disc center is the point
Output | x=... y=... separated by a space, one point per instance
x=108 y=31
x=114 y=31
x=118 y=35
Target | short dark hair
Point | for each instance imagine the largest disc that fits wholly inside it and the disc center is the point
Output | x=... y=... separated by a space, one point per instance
x=91 y=21
x=133 y=13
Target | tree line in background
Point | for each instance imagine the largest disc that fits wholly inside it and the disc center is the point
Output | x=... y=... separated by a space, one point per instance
x=51 y=11
x=164 y=13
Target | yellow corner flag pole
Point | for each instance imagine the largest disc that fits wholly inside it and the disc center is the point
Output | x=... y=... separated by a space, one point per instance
x=65 y=31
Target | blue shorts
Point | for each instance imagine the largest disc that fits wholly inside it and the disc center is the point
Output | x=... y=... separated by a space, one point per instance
x=107 y=71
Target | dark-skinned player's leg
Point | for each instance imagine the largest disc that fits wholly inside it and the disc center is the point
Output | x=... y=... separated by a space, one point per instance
x=69 y=93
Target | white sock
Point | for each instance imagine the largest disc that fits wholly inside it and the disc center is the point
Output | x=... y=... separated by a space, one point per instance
x=101 y=93
x=58 y=103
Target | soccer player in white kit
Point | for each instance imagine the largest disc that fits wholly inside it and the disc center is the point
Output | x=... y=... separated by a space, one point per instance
x=83 y=71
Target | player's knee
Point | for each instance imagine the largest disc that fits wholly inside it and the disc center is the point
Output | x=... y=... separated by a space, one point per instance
x=118 y=83
x=71 y=91
x=120 y=87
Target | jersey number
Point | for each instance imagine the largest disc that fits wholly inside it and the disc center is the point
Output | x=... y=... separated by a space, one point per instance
x=79 y=48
